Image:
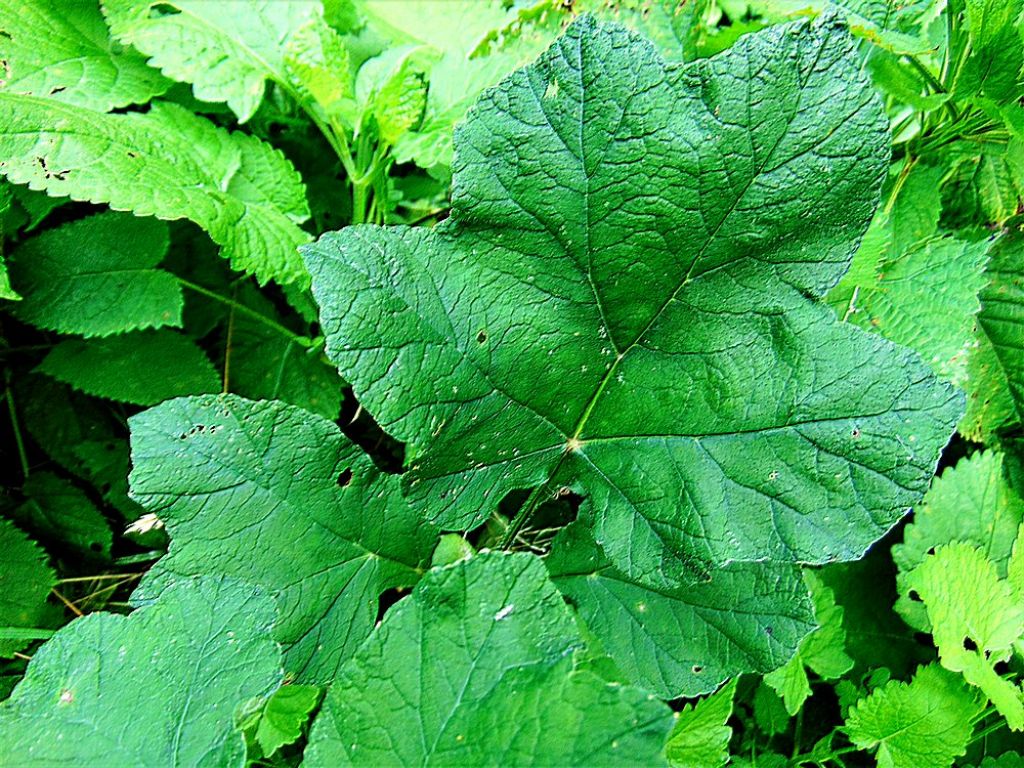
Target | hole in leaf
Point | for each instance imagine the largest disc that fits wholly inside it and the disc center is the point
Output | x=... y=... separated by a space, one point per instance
x=914 y=596
x=697 y=669
x=163 y=9
x=345 y=478
x=970 y=645
x=57 y=89
x=481 y=338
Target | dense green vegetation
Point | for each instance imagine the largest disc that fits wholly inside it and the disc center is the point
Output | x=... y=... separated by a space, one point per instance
x=512 y=382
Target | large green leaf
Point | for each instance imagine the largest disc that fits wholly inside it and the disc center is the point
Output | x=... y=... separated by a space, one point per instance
x=158 y=687
x=477 y=668
x=25 y=582
x=227 y=49
x=623 y=303
x=97 y=276
x=166 y=163
x=687 y=640
x=279 y=497
x=63 y=50
x=142 y=368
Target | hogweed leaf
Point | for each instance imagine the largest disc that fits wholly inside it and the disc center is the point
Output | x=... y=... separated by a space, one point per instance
x=96 y=277
x=623 y=303
x=476 y=668
x=271 y=494
x=64 y=51
x=166 y=163
x=684 y=641
x=158 y=687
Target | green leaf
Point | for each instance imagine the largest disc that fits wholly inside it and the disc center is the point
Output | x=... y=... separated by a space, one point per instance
x=25 y=582
x=57 y=510
x=158 y=687
x=976 y=618
x=266 y=364
x=621 y=307
x=924 y=722
x=823 y=650
x=285 y=715
x=700 y=737
x=333 y=531
x=226 y=51
x=996 y=386
x=476 y=667
x=398 y=103
x=166 y=163
x=927 y=299
x=971 y=503
x=97 y=276
x=684 y=641
x=319 y=63
x=993 y=67
x=64 y=51
x=141 y=368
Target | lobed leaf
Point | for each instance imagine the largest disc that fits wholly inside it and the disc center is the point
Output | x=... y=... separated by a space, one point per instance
x=166 y=163
x=158 y=687
x=623 y=303
x=271 y=494
x=476 y=667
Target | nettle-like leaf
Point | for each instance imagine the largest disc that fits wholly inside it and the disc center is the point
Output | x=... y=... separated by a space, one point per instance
x=284 y=716
x=25 y=582
x=700 y=737
x=97 y=276
x=623 y=303
x=142 y=368
x=64 y=51
x=823 y=650
x=686 y=640
x=158 y=687
x=166 y=163
x=477 y=668
x=276 y=496
x=924 y=722
x=971 y=503
x=995 y=383
x=226 y=49
x=976 y=619
x=58 y=510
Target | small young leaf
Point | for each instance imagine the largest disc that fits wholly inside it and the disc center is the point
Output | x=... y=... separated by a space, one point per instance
x=25 y=582
x=670 y=641
x=823 y=650
x=63 y=51
x=226 y=50
x=700 y=737
x=158 y=687
x=141 y=368
x=972 y=503
x=603 y=312
x=166 y=163
x=925 y=722
x=97 y=276
x=333 y=531
x=976 y=619
x=317 y=61
x=284 y=716
x=476 y=667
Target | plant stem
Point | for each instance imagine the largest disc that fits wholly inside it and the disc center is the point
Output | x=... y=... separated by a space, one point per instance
x=532 y=502
x=253 y=314
x=15 y=427
x=935 y=85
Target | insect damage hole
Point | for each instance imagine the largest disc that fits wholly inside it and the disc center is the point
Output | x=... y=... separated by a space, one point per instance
x=344 y=478
x=481 y=337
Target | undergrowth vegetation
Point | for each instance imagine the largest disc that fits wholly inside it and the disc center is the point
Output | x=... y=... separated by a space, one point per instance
x=512 y=382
